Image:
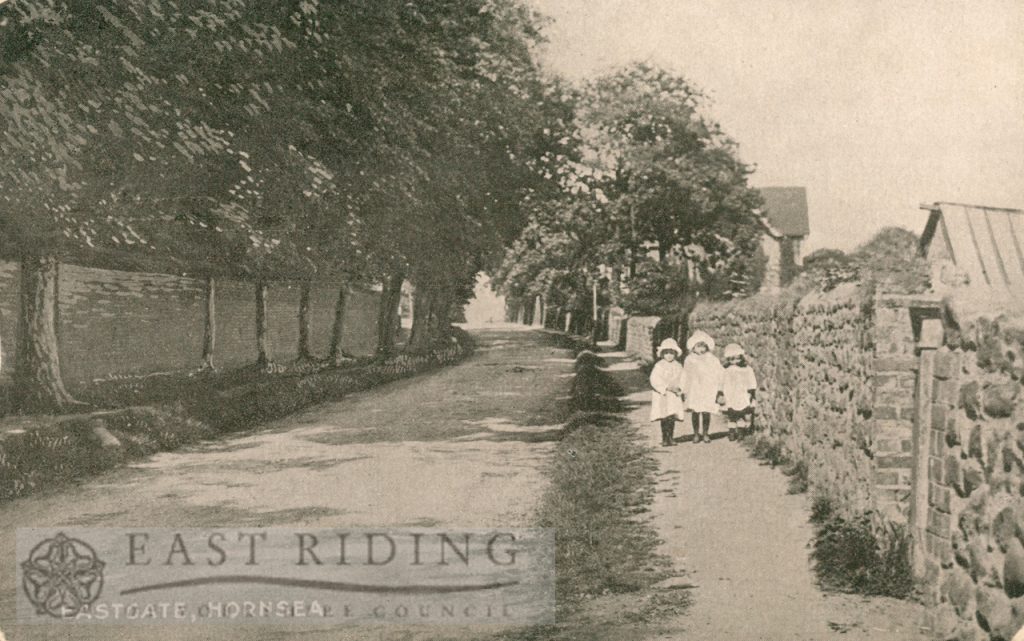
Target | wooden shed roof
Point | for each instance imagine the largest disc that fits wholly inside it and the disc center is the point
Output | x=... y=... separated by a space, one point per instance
x=986 y=243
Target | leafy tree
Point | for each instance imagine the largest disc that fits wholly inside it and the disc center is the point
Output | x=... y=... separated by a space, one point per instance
x=642 y=167
x=826 y=269
x=888 y=262
x=264 y=140
x=892 y=263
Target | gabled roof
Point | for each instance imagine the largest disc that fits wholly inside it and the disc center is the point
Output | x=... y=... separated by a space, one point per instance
x=986 y=243
x=786 y=210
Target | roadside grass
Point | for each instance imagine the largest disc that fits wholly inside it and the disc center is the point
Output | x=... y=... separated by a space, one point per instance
x=162 y=414
x=602 y=480
x=860 y=555
x=851 y=554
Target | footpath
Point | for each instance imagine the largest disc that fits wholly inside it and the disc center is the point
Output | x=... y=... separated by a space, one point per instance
x=740 y=542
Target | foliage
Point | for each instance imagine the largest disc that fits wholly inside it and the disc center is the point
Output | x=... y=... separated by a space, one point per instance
x=640 y=167
x=236 y=136
x=273 y=140
x=889 y=262
x=826 y=269
x=892 y=263
x=657 y=288
x=769 y=450
x=851 y=555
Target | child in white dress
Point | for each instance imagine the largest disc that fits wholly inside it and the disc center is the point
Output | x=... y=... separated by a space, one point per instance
x=702 y=383
x=739 y=387
x=666 y=403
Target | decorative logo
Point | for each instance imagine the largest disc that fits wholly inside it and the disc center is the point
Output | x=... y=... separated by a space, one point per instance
x=62 y=576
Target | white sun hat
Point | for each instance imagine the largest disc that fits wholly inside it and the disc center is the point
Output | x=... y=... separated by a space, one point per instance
x=732 y=350
x=670 y=344
x=700 y=337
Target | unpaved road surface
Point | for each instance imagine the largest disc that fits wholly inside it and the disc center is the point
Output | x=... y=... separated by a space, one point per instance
x=741 y=542
x=458 y=447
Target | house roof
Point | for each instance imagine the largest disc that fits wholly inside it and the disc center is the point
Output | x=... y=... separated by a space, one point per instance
x=786 y=210
x=986 y=243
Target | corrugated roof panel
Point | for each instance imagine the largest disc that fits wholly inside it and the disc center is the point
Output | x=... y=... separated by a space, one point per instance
x=988 y=254
x=1003 y=235
x=965 y=253
x=1016 y=220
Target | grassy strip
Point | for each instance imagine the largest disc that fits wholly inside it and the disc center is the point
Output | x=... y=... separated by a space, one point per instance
x=859 y=554
x=601 y=483
x=59 y=450
x=56 y=450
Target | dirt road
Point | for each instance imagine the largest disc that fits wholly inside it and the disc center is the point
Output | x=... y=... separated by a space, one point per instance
x=460 y=447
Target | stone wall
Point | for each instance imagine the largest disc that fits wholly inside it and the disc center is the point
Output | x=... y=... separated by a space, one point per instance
x=974 y=554
x=115 y=323
x=815 y=359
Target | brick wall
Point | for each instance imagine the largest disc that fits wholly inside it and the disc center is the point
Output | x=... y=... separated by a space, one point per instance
x=640 y=336
x=893 y=404
x=112 y=322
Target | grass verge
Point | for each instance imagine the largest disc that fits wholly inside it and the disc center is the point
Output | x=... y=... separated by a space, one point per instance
x=601 y=484
x=860 y=554
x=51 y=450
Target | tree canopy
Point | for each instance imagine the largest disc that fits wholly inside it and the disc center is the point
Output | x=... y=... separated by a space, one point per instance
x=363 y=139
x=643 y=172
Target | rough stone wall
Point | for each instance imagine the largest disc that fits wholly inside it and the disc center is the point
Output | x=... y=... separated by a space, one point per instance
x=814 y=361
x=974 y=570
x=115 y=323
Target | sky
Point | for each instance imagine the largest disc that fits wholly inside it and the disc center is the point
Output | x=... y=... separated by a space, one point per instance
x=875 y=106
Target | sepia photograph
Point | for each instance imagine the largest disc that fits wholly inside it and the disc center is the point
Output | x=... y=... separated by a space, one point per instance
x=511 y=320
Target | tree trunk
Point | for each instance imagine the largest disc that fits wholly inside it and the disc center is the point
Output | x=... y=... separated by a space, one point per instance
x=338 y=330
x=422 y=304
x=262 y=341
x=38 y=386
x=304 y=353
x=439 y=316
x=210 y=328
x=389 y=300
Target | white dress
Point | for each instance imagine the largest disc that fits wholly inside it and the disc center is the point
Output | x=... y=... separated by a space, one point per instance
x=664 y=403
x=737 y=383
x=702 y=381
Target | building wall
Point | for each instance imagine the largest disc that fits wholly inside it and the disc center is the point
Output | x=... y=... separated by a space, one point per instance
x=117 y=323
x=772 y=271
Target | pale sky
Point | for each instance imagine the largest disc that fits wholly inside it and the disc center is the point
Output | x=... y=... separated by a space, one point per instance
x=875 y=106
